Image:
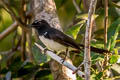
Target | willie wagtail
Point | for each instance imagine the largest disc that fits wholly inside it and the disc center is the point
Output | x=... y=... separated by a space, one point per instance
x=56 y=40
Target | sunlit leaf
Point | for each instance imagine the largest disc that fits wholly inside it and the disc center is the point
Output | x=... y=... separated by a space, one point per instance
x=96 y=57
x=85 y=16
x=97 y=43
x=73 y=31
x=114 y=59
x=116 y=50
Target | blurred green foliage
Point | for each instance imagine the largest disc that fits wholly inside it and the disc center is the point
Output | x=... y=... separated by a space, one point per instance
x=66 y=12
x=5 y=21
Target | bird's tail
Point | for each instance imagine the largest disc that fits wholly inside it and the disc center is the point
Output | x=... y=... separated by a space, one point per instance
x=93 y=49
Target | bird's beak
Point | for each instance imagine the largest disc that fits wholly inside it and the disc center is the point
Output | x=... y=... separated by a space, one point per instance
x=30 y=25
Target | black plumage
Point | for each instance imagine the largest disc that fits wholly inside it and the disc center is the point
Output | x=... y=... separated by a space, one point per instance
x=52 y=37
x=53 y=34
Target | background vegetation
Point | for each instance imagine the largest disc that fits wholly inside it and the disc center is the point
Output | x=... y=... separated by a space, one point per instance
x=73 y=23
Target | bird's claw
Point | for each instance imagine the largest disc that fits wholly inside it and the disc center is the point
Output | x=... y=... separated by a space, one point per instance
x=44 y=51
x=63 y=60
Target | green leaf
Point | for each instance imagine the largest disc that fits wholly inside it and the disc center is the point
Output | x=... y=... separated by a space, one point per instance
x=38 y=56
x=116 y=50
x=97 y=43
x=27 y=71
x=73 y=31
x=16 y=64
x=43 y=73
x=114 y=59
x=96 y=57
x=113 y=34
x=81 y=22
x=99 y=75
x=85 y=16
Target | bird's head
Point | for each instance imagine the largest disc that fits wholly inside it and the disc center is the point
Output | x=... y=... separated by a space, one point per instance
x=37 y=24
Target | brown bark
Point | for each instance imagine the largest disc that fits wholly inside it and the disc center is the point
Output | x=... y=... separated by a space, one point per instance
x=10 y=29
x=61 y=72
x=86 y=4
x=87 y=58
x=46 y=9
x=106 y=58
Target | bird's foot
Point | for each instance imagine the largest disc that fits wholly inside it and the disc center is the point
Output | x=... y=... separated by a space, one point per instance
x=63 y=60
x=78 y=68
x=45 y=50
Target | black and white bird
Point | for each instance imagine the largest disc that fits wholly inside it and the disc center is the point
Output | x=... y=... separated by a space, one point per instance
x=56 y=40
x=53 y=38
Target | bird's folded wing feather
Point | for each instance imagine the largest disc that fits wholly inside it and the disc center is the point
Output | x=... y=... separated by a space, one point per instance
x=60 y=37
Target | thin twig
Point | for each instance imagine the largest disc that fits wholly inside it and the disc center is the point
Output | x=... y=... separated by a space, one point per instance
x=14 y=38
x=89 y=25
x=23 y=10
x=29 y=47
x=60 y=60
x=23 y=19
x=10 y=29
x=12 y=13
x=105 y=36
x=76 y=6
x=105 y=24
x=11 y=52
x=23 y=45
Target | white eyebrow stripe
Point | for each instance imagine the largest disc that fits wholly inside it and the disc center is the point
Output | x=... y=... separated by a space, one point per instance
x=45 y=33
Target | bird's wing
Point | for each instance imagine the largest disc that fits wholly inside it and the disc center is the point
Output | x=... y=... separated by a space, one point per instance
x=60 y=37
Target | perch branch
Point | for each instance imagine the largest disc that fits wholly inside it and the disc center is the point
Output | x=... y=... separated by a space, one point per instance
x=59 y=60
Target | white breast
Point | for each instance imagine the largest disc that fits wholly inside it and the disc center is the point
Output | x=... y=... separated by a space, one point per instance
x=52 y=44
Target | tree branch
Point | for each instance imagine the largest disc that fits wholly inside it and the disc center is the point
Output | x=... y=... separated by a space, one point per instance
x=106 y=58
x=105 y=24
x=89 y=25
x=59 y=60
x=12 y=13
x=10 y=29
x=29 y=47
